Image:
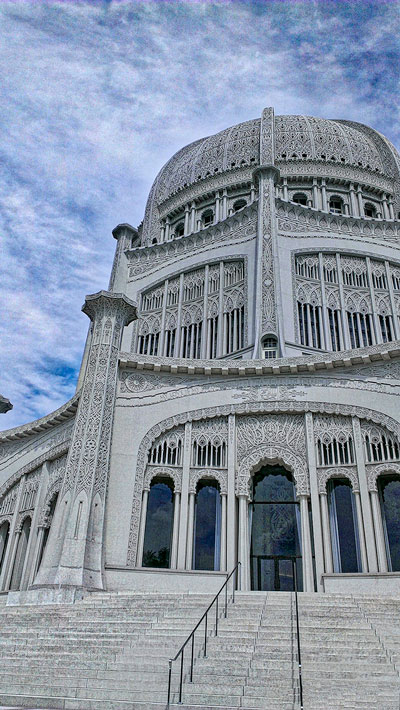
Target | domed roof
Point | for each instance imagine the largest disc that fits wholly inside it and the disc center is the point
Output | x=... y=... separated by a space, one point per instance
x=346 y=149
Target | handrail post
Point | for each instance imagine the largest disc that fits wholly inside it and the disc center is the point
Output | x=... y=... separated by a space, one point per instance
x=298 y=631
x=234 y=575
x=181 y=678
x=191 y=662
x=169 y=680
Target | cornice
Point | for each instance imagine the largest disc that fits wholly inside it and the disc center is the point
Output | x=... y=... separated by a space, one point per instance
x=325 y=221
x=61 y=415
x=281 y=366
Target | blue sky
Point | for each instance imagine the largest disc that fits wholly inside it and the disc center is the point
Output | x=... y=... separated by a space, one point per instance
x=96 y=96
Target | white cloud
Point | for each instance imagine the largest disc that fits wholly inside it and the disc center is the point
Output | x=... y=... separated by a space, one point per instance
x=97 y=96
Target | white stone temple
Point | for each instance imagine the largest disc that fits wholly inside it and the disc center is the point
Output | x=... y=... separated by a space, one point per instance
x=238 y=398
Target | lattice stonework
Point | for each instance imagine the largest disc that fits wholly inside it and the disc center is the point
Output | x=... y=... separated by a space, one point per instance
x=344 y=301
x=200 y=314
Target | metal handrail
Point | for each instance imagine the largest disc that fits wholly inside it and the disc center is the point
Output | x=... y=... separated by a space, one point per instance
x=298 y=632
x=181 y=651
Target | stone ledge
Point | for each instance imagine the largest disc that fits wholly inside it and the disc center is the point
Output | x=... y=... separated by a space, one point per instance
x=281 y=366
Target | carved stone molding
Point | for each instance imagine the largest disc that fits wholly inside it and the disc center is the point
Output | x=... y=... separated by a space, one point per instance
x=267 y=455
x=217 y=474
x=54 y=453
x=175 y=474
x=374 y=471
x=66 y=411
x=244 y=408
x=325 y=474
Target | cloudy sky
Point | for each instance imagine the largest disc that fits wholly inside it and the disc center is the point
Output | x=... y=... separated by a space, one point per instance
x=96 y=96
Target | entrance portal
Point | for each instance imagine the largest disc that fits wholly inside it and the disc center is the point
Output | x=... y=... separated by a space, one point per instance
x=275 y=531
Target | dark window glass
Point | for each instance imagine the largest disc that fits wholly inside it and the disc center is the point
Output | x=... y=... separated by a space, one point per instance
x=207 y=527
x=343 y=526
x=157 y=537
x=389 y=488
x=300 y=198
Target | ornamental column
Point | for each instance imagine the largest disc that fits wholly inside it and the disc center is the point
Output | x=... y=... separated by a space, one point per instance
x=84 y=487
x=243 y=546
x=308 y=573
x=190 y=531
x=314 y=495
x=222 y=564
x=267 y=290
x=326 y=532
x=379 y=533
x=142 y=527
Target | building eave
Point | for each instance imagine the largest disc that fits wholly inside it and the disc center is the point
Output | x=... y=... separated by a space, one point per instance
x=282 y=366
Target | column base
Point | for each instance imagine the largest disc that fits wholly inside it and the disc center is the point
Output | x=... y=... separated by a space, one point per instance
x=45 y=595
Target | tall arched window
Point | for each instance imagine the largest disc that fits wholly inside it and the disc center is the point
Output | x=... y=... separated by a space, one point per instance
x=275 y=530
x=239 y=204
x=344 y=527
x=336 y=205
x=20 y=554
x=159 y=520
x=300 y=198
x=4 y=535
x=207 y=217
x=389 y=494
x=207 y=527
x=180 y=229
x=369 y=210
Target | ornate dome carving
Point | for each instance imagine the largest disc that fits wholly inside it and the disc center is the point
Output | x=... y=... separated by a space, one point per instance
x=303 y=145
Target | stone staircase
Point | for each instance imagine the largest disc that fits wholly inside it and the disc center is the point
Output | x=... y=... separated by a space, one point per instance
x=111 y=651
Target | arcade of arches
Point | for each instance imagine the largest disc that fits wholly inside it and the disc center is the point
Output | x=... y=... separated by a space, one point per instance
x=269 y=490
x=329 y=508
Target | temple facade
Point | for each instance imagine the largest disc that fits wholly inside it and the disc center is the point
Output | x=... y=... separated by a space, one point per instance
x=238 y=399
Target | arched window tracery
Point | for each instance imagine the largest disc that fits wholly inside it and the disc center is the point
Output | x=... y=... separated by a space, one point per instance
x=380 y=445
x=200 y=314
x=167 y=450
x=300 y=198
x=346 y=299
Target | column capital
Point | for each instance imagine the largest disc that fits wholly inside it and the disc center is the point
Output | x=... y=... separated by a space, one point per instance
x=106 y=303
x=267 y=171
x=124 y=230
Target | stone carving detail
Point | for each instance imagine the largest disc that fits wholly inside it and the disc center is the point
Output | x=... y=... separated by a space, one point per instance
x=163 y=472
x=305 y=222
x=211 y=427
x=31 y=486
x=337 y=427
x=168 y=448
x=269 y=438
x=164 y=306
x=87 y=465
x=379 y=444
x=325 y=474
x=373 y=473
x=48 y=440
x=56 y=475
x=238 y=227
x=136 y=382
x=281 y=453
x=216 y=474
x=7 y=505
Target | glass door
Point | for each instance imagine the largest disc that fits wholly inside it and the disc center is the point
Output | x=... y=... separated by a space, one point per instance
x=275 y=531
